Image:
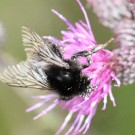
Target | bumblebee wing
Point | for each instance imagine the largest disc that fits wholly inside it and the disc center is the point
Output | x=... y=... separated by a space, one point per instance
x=24 y=75
x=41 y=50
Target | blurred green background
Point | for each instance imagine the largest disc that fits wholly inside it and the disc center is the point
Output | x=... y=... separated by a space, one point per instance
x=38 y=16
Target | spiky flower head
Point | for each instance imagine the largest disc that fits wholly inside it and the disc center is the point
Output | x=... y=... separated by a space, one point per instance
x=77 y=38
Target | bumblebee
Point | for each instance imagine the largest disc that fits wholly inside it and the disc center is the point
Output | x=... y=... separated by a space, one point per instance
x=46 y=69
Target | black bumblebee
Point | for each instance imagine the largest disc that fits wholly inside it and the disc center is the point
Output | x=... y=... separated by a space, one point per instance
x=46 y=69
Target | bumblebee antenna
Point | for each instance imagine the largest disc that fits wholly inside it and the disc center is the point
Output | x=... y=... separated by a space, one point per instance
x=101 y=46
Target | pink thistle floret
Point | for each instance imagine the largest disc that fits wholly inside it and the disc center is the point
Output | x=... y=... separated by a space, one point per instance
x=78 y=38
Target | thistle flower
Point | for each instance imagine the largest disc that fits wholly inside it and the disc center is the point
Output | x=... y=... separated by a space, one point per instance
x=77 y=38
x=101 y=71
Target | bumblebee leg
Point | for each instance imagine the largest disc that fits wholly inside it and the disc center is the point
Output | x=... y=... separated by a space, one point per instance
x=82 y=53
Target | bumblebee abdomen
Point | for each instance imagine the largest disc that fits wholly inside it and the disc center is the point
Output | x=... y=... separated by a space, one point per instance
x=67 y=82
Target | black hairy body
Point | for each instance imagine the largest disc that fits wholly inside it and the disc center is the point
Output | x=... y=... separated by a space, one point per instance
x=67 y=82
